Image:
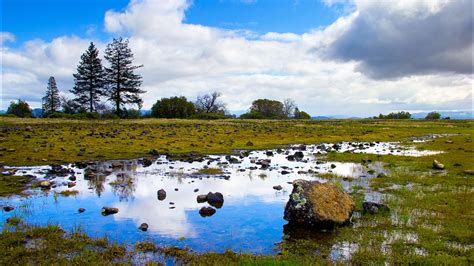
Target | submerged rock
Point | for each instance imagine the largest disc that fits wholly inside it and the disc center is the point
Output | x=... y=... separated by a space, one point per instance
x=81 y=210
x=8 y=208
x=215 y=199
x=161 y=194
x=207 y=211
x=318 y=205
x=109 y=210
x=437 y=165
x=143 y=227
x=374 y=208
x=278 y=187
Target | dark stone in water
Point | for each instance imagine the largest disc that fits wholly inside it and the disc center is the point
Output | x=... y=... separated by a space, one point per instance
x=143 y=227
x=374 y=208
x=215 y=199
x=109 y=211
x=269 y=153
x=207 y=211
x=196 y=190
x=201 y=198
x=284 y=172
x=278 y=187
x=333 y=166
x=8 y=208
x=298 y=155
x=161 y=194
x=81 y=210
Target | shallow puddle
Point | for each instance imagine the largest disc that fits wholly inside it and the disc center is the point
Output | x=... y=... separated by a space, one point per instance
x=250 y=220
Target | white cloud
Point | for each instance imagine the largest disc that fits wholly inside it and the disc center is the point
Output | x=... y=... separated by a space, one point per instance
x=187 y=59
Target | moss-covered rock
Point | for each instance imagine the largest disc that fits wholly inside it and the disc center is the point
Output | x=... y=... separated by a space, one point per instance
x=318 y=205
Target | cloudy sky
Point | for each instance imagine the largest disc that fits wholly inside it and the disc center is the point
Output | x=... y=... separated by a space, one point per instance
x=333 y=57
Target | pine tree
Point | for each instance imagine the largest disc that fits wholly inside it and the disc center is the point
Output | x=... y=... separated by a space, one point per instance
x=123 y=85
x=51 y=101
x=89 y=80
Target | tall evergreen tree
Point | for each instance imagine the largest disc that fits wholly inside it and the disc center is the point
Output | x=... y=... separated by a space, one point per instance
x=51 y=101
x=89 y=80
x=123 y=85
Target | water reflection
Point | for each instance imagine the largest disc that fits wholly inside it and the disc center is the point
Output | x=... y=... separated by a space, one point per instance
x=251 y=219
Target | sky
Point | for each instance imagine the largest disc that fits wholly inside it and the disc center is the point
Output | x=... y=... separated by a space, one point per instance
x=332 y=57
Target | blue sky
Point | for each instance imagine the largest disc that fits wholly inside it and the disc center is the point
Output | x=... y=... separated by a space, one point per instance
x=332 y=57
x=47 y=19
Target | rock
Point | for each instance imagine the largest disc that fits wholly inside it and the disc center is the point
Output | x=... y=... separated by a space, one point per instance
x=81 y=210
x=146 y=162
x=207 y=211
x=154 y=152
x=278 y=187
x=109 y=211
x=333 y=166
x=269 y=153
x=437 y=165
x=72 y=178
x=161 y=194
x=143 y=227
x=28 y=129
x=318 y=205
x=8 y=208
x=215 y=199
x=45 y=184
x=71 y=184
x=469 y=172
x=374 y=208
x=117 y=165
x=298 y=155
x=265 y=164
x=249 y=143
x=284 y=172
x=201 y=198
x=196 y=190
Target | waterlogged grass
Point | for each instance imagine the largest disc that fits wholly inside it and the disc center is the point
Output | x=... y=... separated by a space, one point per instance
x=13 y=185
x=431 y=217
x=209 y=171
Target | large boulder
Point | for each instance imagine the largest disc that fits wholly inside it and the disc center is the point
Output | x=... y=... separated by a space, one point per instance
x=215 y=199
x=318 y=205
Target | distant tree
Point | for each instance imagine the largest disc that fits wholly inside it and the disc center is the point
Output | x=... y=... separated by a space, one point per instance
x=210 y=103
x=433 y=116
x=174 y=107
x=123 y=85
x=51 y=101
x=70 y=106
x=267 y=109
x=89 y=80
x=301 y=114
x=398 y=115
x=19 y=108
x=289 y=107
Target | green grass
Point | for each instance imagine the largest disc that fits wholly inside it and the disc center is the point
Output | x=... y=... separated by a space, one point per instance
x=431 y=219
x=209 y=171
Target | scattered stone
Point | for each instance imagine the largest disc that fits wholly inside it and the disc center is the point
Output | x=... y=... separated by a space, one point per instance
x=269 y=153
x=278 y=187
x=318 y=205
x=81 y=210
x=29 y=129
x=284 y=172
x=207 y=211
x=117 y=165
x=374 y=208
x=8 y=208
x=45 y=184
x=469 y=171
x=71 y=184
x=161 y=194
x=109 y=211
x=249 y=143
x=333 y=166
x=298 y=155
x=196 y=190
x=437 y=165
x=215 y=199
x=201 y=198
x=143 y=227
x=176 y=189
x=72 y=178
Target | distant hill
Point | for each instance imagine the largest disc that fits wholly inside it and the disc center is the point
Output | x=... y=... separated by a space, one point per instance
x=452 y=115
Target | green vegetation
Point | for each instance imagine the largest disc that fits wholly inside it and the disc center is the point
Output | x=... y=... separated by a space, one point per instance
x=433 y=116
x=209 y=171
x=13 y=185
x=19 y=109
x=174 y=107
x=431 y=214
x=398 y=115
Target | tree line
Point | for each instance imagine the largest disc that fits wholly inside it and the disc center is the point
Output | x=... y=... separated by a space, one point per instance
x=117 y=84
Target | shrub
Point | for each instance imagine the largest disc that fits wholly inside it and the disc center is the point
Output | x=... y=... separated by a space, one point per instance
x=433 y=116
x=174 y=107
x=19 y=109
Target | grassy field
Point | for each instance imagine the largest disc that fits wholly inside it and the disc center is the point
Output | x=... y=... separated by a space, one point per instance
x=431 y=219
